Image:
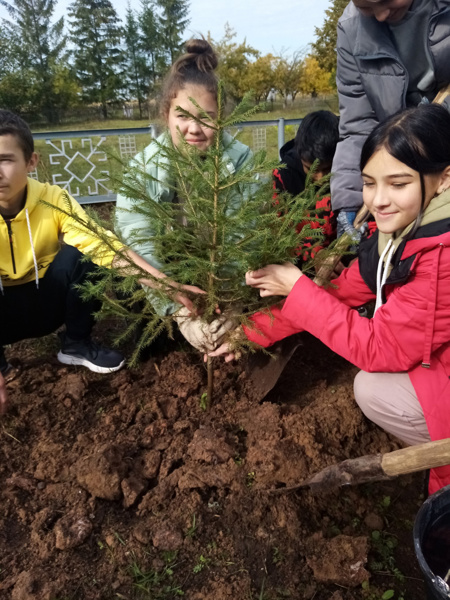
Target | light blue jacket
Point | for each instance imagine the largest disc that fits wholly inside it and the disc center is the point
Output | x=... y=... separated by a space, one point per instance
x=129 y=222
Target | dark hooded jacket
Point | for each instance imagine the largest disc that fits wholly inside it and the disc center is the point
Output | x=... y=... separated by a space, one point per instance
x=292 y=177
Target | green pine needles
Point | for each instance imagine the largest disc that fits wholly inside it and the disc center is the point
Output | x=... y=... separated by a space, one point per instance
x=220 y=223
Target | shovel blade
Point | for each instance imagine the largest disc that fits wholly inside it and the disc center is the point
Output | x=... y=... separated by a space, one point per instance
x=352 y=471
x=263 y=370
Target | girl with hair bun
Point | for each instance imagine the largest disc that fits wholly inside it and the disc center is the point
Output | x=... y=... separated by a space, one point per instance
x=403 y=351
x=191 y=76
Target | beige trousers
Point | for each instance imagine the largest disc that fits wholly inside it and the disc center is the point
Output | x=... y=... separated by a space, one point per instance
x=389 y=400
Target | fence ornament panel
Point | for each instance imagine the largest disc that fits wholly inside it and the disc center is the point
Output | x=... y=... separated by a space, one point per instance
x=80 y=167
x=79 y=160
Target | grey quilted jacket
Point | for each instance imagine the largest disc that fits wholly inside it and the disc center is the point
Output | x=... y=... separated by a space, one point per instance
x=372 y=85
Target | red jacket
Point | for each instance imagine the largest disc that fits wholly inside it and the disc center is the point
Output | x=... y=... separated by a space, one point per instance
x=292 y=180
x=408 y=333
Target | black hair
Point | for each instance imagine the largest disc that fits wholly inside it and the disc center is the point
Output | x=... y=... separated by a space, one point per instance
x=196 y=67
x=419 y=138
x=317 y=137
x=12 y=124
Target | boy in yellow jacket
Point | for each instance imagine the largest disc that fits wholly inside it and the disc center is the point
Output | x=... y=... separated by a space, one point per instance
x=39 y=275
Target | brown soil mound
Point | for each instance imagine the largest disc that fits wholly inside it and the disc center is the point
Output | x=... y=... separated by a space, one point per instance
x=123 y=487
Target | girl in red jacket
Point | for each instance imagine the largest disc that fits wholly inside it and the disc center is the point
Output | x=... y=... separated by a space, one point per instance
x=404 y=350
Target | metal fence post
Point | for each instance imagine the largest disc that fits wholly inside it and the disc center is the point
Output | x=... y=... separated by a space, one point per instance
x=280 y=134
x=153 y=130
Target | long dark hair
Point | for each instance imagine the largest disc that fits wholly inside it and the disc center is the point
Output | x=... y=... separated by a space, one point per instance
x=418 y=137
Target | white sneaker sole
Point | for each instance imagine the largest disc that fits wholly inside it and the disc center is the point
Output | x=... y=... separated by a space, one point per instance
x=67 y=359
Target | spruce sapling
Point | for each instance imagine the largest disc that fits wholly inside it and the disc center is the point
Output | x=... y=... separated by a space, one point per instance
x=220 y=224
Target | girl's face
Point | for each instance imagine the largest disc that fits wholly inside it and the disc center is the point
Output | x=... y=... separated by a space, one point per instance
x=392 y=191
x=193 y=132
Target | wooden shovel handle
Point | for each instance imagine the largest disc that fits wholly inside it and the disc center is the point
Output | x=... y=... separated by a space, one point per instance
x=442 y=95
x=326 y=269
x=417 y=458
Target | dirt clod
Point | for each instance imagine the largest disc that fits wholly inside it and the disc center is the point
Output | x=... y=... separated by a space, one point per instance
x=71 y=531
x=101 y=473
x=167 y=537
x=340 y=560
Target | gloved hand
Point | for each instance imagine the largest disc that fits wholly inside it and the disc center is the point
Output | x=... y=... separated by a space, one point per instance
x=204 y=336
x=345 y=222
x=345 y=225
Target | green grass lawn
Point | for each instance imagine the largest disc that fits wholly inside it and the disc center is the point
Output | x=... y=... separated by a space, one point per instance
x=299 y=109
x=100 y=124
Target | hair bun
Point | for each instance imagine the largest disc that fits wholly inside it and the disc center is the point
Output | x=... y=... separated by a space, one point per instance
x=199 y=54
x=195 y=68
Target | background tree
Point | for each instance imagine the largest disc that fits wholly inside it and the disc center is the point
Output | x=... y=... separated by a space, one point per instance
x=324 y=47
x=38 y=48
x=287 y=74
x=173 y=22
x=234 y=60
x=260 y=76
x=8 y=6
x=137 y=71
x=314 y=80
x=96 y=34
x=152 y=44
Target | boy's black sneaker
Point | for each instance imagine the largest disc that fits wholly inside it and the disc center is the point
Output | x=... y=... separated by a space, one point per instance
x=89 y=354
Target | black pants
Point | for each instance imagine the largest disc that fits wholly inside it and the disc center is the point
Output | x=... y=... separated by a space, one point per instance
x=28 y=312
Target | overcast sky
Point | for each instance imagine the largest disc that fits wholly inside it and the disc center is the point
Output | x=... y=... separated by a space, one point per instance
x=268 y=25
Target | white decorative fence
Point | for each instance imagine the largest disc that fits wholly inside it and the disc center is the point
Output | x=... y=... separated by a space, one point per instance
x=80 y=161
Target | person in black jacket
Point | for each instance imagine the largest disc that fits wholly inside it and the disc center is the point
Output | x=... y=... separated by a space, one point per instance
x=316 y=139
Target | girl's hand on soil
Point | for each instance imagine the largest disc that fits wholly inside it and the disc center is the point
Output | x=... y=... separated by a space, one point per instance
x=274 y=280
x=3 y=396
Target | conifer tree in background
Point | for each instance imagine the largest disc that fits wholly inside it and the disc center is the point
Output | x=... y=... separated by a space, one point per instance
x=152 y=42
x=173 y=22
x=8 y=6
x=96 y=34
x=38 y=47
x=324 y=48
x=223 y=224
x=16 y=82
x=137 y=72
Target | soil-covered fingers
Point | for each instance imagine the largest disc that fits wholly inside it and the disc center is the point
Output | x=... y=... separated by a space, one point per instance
x=226 y=349
x=221 y=326
x=3 y=396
